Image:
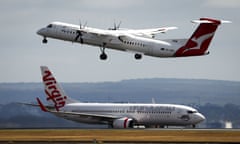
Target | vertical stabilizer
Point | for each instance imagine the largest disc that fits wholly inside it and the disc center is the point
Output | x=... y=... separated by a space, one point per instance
x=199 y=41
x=55 y=94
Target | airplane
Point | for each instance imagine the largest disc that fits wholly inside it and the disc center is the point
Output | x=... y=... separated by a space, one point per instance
x=115 y=115
x=141 y=42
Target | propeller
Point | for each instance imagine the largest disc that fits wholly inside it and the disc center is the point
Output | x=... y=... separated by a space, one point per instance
x=115 y=26
x=79 y=32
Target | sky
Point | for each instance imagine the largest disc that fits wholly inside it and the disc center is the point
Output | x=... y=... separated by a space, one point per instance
x=22 y=51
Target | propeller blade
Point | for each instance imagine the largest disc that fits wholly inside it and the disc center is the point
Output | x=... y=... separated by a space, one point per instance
x=118 y=26
x=84 y=24
x=80 y=24
x=79 y=34
x=115 y=26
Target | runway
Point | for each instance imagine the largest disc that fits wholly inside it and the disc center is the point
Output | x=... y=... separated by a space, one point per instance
x=120 y=135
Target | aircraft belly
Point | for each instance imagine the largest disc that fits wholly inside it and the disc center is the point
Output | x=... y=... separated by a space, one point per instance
x=162 y=51
x=116 y=47
x=144 y=119
x=156 y=119
x=91 y=42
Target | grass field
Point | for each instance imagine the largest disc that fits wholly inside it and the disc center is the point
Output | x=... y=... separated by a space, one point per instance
x=119 y=135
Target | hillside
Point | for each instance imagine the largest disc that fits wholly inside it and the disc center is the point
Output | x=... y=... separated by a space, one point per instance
x=217 y=100
x=180 y=91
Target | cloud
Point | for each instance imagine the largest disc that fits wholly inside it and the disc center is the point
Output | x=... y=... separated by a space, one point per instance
x=223 y=3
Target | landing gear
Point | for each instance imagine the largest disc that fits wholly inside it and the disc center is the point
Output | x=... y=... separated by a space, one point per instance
x=103 y=55
x=138 y=56
x=193 y=126
x=44 y=40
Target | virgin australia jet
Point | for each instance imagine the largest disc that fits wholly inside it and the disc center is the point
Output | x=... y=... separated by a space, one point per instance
x=137 y=41
x=116 y=115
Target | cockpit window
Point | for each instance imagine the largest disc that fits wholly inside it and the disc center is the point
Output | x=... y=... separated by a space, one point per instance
x=191 y=112
x=49 y=26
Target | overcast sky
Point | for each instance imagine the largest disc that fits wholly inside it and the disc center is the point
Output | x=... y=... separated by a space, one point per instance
x=21 y=50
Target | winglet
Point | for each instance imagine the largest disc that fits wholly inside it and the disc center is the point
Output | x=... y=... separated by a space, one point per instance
x=43 y=108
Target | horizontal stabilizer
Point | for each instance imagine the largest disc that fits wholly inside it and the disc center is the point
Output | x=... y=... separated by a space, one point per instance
x=43 y=108
x=40 y=104
x=210 y=20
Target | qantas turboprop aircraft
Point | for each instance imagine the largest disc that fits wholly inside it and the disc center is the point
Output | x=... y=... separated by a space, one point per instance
x=116 y=115
x=137 y=41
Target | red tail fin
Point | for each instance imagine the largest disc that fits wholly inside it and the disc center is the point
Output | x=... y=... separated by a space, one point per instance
x=201 y=38
x=55 y=94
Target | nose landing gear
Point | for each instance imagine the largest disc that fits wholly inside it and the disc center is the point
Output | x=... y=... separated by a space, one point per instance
x=44 y=40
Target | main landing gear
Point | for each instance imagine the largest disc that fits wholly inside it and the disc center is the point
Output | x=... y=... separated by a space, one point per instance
x=138 y=56
x=44 y=40
x=103 y=55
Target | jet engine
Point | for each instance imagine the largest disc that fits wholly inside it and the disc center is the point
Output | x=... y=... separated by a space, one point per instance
x=123 y=123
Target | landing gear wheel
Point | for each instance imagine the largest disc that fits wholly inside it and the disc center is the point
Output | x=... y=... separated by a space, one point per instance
x=44 y=40
x=103 y=56
x=138 y=56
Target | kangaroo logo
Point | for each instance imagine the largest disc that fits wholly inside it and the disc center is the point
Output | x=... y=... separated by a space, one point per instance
x=199 y=41
x=197 y=45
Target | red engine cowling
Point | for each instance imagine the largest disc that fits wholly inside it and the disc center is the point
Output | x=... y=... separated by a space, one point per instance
x=123 y=123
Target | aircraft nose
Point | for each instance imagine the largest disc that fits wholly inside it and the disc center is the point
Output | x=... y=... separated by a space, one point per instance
x=41 y=31
x=200 y=117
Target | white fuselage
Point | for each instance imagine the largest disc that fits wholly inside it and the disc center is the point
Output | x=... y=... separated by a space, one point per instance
x=114 y=39
x=142 y=114
x=117 y=115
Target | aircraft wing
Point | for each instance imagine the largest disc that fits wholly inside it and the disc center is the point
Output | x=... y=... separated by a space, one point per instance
x=100 y=117
x=150 y=32
x=51 y=109
x=97 y=32
x=36 y=105
x=106 y=34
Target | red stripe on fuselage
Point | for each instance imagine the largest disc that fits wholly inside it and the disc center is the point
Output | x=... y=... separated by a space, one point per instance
x=125 y=123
